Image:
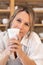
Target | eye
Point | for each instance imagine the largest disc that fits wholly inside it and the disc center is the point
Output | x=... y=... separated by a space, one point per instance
x=19 y=20
x=27 y=24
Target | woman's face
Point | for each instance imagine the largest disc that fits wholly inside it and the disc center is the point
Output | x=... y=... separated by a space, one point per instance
x=21 y=21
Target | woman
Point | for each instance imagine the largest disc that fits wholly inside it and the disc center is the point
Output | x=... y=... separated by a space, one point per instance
x=27 y=45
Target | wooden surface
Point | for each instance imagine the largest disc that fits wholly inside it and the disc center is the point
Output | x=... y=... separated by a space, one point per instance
x=4 y=10
x=38 y=25
x=11 y=7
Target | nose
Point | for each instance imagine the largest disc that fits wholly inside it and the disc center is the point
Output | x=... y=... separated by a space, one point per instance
x=21 y=26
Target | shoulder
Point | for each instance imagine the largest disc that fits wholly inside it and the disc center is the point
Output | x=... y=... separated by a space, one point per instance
x=34 y=37
x=34 y=34
x=3 y=39
x=34 y=42
x=3 y=34
x=2 y=45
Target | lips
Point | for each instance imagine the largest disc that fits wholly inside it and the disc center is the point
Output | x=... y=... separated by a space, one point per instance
x=21 y=33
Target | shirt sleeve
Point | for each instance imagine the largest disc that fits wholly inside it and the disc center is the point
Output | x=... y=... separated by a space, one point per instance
x=35 y=51
x=1 y=42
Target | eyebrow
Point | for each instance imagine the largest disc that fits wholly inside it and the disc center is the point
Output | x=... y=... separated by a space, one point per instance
x=25 y=22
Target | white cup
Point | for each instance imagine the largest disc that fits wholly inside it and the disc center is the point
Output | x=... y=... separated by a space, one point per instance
x=13 y=32
x=42 y=21
x=41 y=35
x=5 y=21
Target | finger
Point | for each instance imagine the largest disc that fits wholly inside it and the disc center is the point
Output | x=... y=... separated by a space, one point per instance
x=14 y=46
x=12 y=39
x=13 y=50
x=14 y=42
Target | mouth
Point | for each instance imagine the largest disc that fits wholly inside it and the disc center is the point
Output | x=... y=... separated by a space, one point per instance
x=21 y=33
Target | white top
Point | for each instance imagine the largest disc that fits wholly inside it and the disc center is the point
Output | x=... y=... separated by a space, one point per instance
x=32 y=46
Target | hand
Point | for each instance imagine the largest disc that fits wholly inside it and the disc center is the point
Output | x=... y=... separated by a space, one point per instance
x=15 y=46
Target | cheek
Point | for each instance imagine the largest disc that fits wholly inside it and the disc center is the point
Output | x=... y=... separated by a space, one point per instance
x=26 y=29
x=14 y=25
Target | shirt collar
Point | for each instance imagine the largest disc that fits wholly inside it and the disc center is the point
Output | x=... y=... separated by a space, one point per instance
x=24 y=41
